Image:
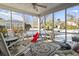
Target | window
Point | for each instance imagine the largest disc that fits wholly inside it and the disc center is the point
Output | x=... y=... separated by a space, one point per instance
x=72 y=22
x=17 y=21
x=59 y=25
x=29 y=20
x=49 y=22
x=5 y=18
x=42 y=22
x=35 y=22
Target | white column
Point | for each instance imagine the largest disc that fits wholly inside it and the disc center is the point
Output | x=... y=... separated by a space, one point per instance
x=39 y=24
x=11 y=19
x=65 y=26
x=53 y=34
x=23 y=22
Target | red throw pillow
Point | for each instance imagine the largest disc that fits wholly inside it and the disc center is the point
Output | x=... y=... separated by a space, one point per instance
x=35 y=37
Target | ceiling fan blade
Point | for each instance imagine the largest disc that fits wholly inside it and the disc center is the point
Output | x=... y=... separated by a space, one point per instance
x=34 y=6
x=41 y=6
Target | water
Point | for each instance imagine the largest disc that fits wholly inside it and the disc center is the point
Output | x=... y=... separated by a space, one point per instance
x=59 y=36
x=32 y=32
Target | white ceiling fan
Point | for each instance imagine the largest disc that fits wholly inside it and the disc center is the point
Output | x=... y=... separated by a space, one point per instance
x=35 y=6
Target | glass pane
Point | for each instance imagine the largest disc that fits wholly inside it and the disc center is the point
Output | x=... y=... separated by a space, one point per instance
x=48 y=22
x=59 y=26
x=32 y=21
x=42 y=23
x=5 y=18
x=35 y=22
x=17 y=22
x=29 y=20
x=72 y=22
x=5 y=21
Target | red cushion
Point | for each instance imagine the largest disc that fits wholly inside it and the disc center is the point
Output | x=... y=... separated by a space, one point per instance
x=35 y=37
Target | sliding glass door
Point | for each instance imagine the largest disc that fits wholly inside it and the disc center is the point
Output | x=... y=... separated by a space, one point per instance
x=59 y=26
x=72 y=23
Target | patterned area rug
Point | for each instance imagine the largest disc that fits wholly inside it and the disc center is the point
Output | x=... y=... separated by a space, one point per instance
x=43 y=49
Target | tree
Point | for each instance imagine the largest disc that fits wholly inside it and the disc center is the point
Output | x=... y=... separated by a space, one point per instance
x=71 y=17
x=49 y=25
x=58 y=20
x=27 y=26
x=62 y=25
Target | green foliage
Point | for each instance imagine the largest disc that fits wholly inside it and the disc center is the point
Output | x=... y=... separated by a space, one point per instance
x=27 y=26
x=69 y=27
x=62 y=25
x=3 y=30
x=49 y=25
x=78 y=25
x=71 y=19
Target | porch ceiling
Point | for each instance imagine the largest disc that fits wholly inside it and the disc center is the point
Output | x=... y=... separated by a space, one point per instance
x=28 y=8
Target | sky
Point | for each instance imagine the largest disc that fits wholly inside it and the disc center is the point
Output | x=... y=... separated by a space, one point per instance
x=72 y=11
x=5 y=14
